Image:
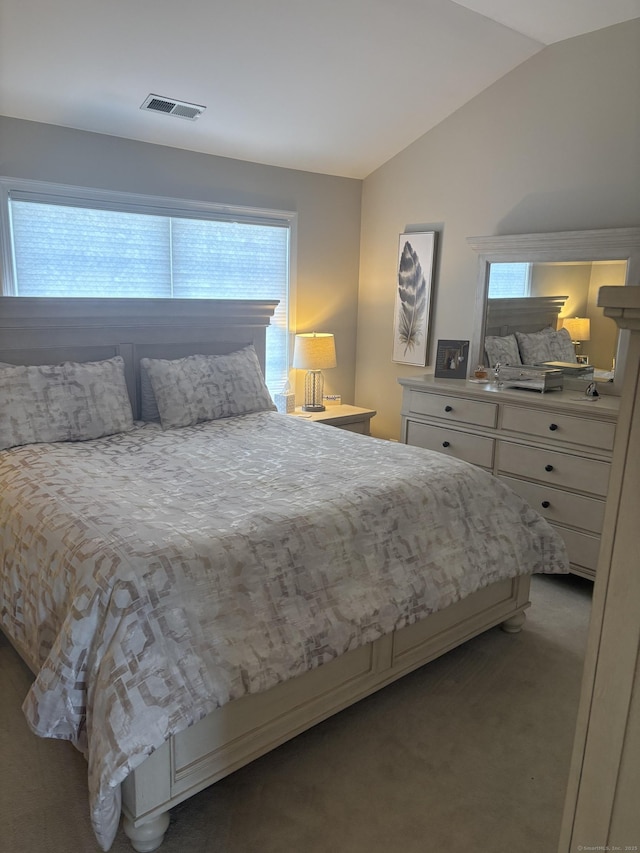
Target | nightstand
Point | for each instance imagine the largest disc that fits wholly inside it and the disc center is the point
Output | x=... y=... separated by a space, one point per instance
x=344 y=417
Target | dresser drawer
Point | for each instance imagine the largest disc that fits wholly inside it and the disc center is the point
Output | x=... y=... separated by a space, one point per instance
x=559 y=506
x=536 y=422
x=553 y=467
x=463 y=445
x=454 y=408
x=583 y=549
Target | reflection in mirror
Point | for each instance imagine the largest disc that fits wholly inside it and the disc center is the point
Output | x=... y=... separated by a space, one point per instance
x=528 y=283
x=595 y=338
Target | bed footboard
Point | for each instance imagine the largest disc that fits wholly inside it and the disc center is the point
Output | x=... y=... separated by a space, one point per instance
x=247 y=728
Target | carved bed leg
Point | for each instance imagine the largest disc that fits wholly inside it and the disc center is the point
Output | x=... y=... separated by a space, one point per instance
x=148 y=836
x=513 y=625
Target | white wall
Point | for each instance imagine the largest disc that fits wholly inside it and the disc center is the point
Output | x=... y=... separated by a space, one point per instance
x=328 y=211
x=553 y=146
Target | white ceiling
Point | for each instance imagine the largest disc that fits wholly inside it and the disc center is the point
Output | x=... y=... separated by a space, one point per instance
x=337 y=86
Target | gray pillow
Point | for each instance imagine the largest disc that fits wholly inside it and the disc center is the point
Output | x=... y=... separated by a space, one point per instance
x=546 y=345
x=503 y=349
x=73 y=401
x=207 y=387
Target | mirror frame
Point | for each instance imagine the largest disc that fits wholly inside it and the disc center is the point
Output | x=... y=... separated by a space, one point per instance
x=610 y=244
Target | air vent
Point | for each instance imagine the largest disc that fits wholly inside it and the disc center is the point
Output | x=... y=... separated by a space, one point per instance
x=170 y=107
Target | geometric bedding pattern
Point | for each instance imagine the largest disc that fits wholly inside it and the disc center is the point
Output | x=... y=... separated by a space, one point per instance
x=530 y=347
x=155 y=575
x=63 y=402
x=546 y=345
x=502 y=349
x=207 y=387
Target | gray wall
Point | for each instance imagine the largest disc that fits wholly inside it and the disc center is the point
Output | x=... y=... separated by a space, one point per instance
x=552 y=146
x=328 y=211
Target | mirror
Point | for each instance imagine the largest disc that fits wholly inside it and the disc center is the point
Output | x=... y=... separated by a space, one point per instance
x=557 y=278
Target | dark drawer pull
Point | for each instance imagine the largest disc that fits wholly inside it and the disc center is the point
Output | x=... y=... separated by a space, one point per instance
x=546 y=504
x=548 y=467
x=445 y=444
x=553 y=427
x=448 y=408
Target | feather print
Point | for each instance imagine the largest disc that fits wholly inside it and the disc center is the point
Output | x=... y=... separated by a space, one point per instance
x=412 y=291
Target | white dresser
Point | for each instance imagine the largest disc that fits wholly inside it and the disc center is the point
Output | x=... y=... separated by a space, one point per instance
x=554 y=449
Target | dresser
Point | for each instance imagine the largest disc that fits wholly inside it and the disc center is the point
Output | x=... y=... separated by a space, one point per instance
x=554 y=449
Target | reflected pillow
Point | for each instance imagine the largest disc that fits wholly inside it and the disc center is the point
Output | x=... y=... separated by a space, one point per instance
x=546 y=345
x=207 y=387
x=503 y=349
x=73 y=401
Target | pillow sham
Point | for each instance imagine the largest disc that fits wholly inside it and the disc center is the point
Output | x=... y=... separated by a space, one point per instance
x=503 y=349
x=207 y=387
x=546 y=345
x=73 y=401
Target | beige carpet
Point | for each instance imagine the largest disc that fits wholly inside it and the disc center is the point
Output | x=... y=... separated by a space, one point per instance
x=470 y=753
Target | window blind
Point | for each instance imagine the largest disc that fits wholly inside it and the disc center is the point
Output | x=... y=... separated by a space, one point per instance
x=509 y=280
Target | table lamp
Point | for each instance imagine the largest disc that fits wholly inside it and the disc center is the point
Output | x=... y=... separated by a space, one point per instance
x=579 y=328
x=314 y=352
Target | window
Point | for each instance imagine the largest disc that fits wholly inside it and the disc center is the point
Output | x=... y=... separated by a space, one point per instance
x=509 y=280
x=63 y=241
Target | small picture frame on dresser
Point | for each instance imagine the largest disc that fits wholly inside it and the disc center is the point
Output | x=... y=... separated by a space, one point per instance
x=452 y=360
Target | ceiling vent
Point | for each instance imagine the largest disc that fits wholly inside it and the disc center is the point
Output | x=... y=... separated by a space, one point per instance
x=171 y=107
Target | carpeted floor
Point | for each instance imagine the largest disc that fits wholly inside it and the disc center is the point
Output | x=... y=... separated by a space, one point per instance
x=470 y=753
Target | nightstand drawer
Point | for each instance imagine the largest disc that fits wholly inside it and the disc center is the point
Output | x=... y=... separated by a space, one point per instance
x=560 y=506
x=558 y=427
x=454 y=408
x=463 y=445
x=550 y=466
x=360 y=426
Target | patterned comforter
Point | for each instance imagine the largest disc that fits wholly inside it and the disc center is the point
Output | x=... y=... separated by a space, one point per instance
x=150 y=577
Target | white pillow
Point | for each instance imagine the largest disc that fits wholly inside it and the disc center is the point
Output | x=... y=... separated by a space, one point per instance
x=73 y=401
x=503 y=349
x=207 y=387
x=546 y=345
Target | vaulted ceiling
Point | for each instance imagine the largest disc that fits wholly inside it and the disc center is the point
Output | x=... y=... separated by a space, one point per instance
x=337 y=87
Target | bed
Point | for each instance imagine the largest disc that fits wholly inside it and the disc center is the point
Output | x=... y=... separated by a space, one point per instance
x=192 y=593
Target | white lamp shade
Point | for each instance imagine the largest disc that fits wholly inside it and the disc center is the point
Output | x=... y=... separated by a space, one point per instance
x=578 y=327
x=314 y=351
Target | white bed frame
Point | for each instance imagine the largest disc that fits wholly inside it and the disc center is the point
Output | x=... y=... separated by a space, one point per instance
x=45 y=331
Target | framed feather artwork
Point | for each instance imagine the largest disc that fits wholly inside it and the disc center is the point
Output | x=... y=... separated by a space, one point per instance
x=416 y=254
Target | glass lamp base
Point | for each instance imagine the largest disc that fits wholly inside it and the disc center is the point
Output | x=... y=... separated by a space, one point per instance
x=313 y=391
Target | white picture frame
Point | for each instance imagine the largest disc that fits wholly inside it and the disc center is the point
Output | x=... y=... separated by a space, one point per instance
x=416 y=257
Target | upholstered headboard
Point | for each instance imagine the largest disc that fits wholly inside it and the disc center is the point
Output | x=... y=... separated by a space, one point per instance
x=36 y=330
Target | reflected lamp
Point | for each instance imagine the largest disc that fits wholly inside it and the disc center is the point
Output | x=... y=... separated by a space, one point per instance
x=579 y=328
